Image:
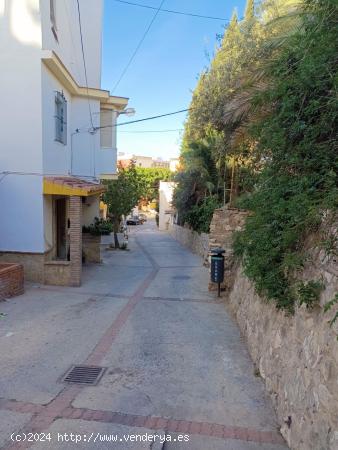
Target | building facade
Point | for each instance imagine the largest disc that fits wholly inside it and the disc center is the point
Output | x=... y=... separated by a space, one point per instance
x=53 y=153
x=166 y=209
x=146 y=162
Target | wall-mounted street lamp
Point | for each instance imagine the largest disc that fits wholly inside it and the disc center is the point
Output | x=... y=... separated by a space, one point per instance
x=128 y=112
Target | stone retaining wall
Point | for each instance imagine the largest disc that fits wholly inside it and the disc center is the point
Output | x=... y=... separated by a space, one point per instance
x=197 y=243
x=224 y=223
x=297 y=356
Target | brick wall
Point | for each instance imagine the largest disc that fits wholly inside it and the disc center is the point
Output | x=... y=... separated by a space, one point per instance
x=75 y=241
x=11 y=280
x=32 y=263
x=91 y=246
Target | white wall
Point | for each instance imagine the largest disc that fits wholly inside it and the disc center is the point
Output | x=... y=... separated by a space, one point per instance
x=21 y=222
x=166 y=196
x=68 y=46
x=83 y=150
x=85 y=145
x=90 y=209
x=27 y=92
x=56 y=156
x=48 y=222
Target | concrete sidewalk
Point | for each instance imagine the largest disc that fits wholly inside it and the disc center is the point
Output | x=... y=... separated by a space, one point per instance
x=175 y=360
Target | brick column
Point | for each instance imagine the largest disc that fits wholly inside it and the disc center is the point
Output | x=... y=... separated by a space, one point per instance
x=75 y=237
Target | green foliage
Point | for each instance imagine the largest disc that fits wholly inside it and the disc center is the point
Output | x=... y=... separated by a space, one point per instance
x=150 y=181
x=330 y=244
x=99 y=227
x=122 y=194
x=196 y=184
x=211 y=146
x=268 y=105
x=298 y=138
x=199 y=216
x=328 y=306
x=309 y=293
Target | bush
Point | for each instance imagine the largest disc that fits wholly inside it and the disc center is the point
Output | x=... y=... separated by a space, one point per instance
x=99 y=227
x=199 y=216
x=309 y=293
x=299 y=180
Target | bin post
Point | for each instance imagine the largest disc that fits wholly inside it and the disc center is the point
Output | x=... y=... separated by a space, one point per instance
x=217 y=267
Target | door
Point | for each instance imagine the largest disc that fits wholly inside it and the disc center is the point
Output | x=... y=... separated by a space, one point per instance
x=61 y=237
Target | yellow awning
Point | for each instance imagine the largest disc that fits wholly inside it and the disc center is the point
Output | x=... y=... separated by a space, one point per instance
x=71 y=186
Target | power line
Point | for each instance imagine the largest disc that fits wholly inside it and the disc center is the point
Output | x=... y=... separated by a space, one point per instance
x=84 y=62
x=83 y=130
x=5 y=173
x=138 y=46
x=151 y=131
x=143 y=120
x=200 y=16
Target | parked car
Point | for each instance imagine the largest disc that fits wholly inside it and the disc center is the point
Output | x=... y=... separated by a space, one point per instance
x=133 y=220
x=143 y=217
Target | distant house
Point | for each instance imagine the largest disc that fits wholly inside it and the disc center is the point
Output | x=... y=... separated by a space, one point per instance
x=160 y=163
x=53 y=153
x=142 y=161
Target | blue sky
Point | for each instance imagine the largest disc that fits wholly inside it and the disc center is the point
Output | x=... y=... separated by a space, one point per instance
x=166 y=68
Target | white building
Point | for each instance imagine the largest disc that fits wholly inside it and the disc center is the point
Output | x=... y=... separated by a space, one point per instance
x=174 y=164
x=51 y=154
x=166 y=210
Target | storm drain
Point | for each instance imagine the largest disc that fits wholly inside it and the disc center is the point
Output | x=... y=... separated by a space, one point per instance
x=181 y=277
x=89 y=375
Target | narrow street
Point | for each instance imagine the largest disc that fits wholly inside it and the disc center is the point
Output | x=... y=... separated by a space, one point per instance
x=175 y=361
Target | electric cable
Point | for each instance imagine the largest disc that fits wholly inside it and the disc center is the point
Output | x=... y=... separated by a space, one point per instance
x=200 y=16
x=124 y=71
x=84 y=62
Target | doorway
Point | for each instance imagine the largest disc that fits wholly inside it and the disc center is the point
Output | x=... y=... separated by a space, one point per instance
x=61 y=229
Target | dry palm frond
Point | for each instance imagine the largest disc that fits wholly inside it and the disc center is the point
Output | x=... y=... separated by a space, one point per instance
x=239 y=108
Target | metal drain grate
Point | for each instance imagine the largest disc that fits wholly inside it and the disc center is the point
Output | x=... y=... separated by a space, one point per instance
x=181 y=277
x=90 y=375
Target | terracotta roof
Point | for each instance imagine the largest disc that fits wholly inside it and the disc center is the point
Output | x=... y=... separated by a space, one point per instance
x=64 y=185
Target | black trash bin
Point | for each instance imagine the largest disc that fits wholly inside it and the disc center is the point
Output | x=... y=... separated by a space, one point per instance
x=217 y=267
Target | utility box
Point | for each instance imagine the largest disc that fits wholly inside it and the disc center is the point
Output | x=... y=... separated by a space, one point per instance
x=217 y=267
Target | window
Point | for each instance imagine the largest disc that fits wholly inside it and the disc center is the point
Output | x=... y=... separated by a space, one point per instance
x=60 y=118
x=53 y=18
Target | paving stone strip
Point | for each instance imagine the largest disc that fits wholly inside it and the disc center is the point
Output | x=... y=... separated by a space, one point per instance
x=184 y=299
x=51 y=412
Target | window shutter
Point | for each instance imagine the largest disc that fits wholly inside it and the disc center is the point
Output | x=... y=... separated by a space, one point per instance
x=64 y=128
x=60 y=118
